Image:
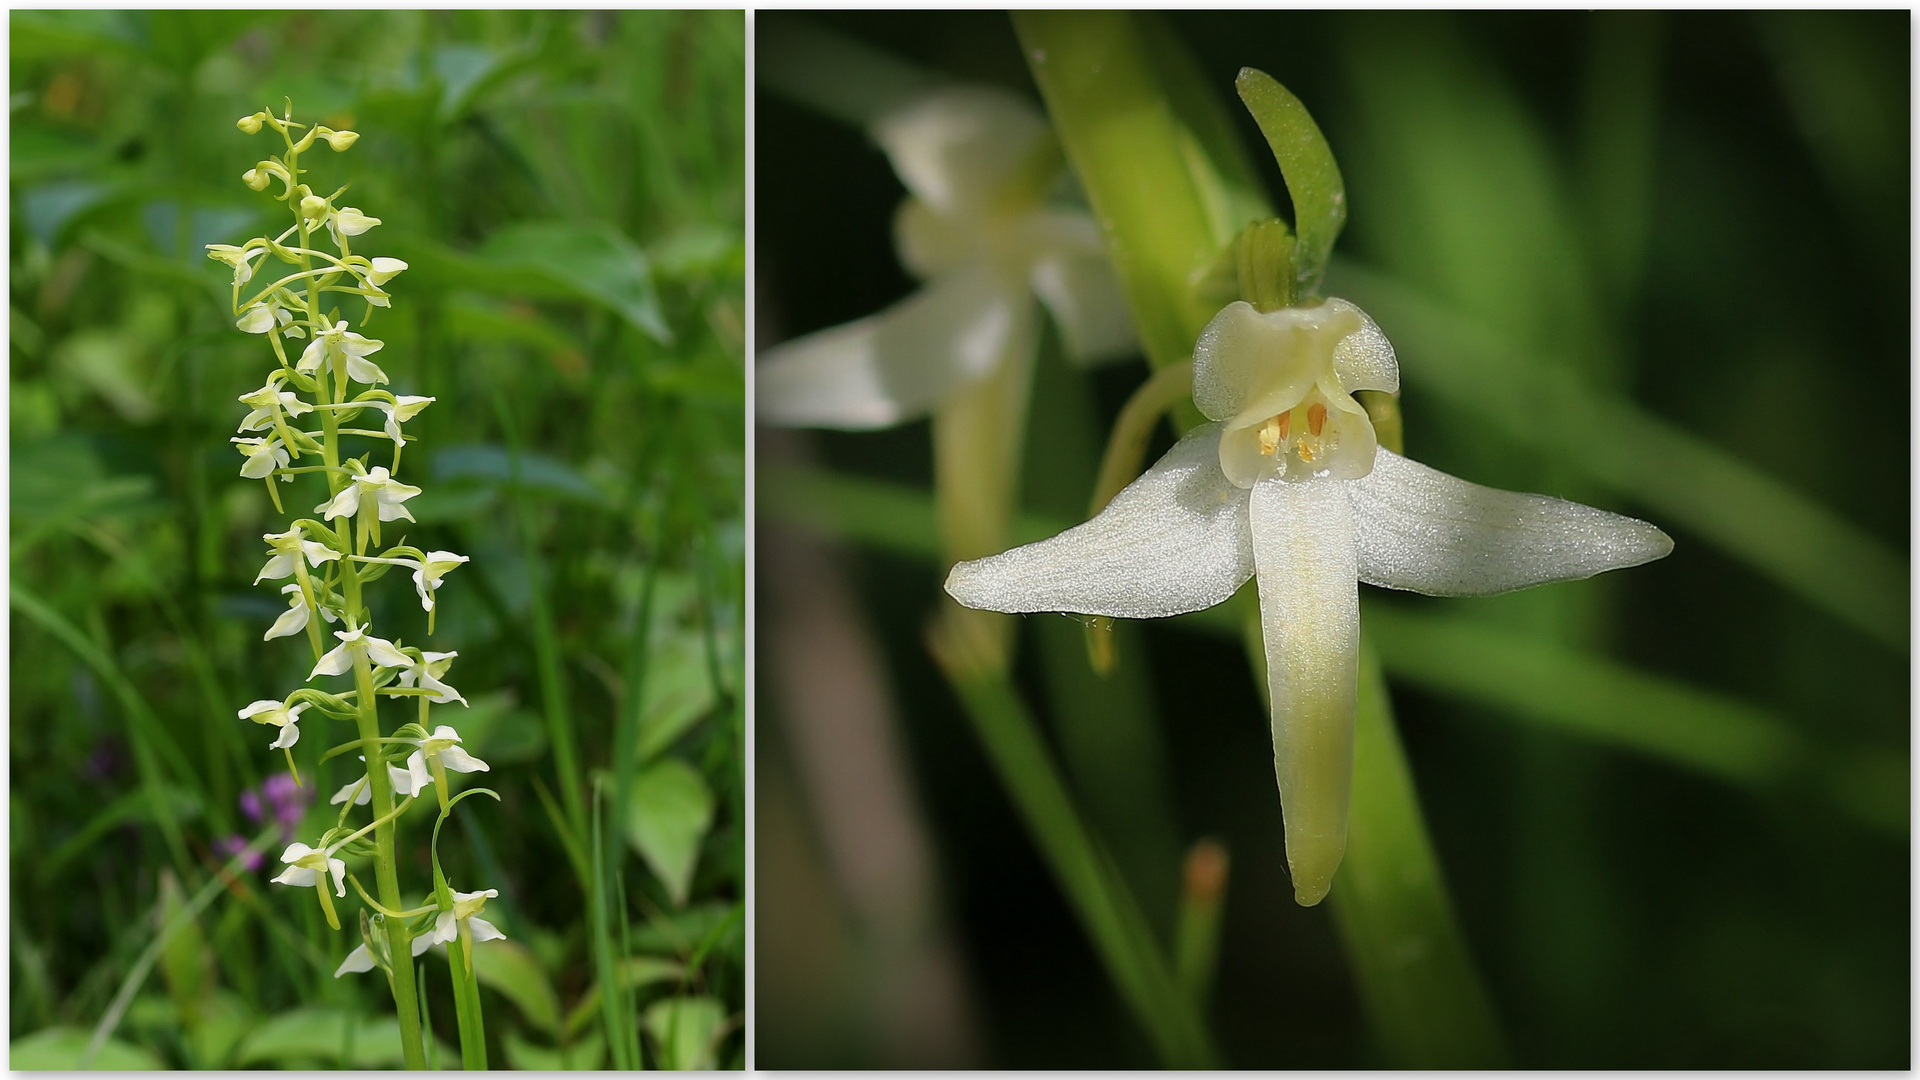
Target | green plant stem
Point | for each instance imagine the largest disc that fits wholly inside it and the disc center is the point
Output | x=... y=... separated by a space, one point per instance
x=1424 y=999
x=1107 y=911
x=466 y=1006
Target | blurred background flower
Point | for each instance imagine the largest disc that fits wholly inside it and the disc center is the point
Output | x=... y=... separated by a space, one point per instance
x=1616 y=253
x=567 y=190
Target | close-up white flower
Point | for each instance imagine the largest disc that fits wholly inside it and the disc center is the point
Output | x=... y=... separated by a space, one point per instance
x=309 y=867
x=438 y=753
x=373 y=492
x=1288 y=486
x=348 y=221
x=294 y=619
x=288 y=548
x=402 y=408
x=268 y=403
x=982 y=229
x=339 y=660
x=425 y=674
x=338 y=347
x=264 y=455
x=280 y=715
x=464 y=915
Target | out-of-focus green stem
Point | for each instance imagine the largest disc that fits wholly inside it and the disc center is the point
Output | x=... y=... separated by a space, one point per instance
x=1196 y=946
x=1119 y=932
x=1424 y=999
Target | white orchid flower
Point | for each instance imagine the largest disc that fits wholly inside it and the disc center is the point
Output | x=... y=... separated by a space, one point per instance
x=267 y=314
x=241 y=259
x=337 y=347
x=402 y=408
x=383 y=270
x=348 y=221
x=277 y=713
x=288 y=548
x=437 y=754
x=263 y=456
x=461 y=921
x=361 y=791
x=1289 y=486
x=373 y=495
x=379 y=651
x=426 y=674
x=294 y=619
x=978 y=163
x=426 y=573
x=310 y=867
x=268 y=402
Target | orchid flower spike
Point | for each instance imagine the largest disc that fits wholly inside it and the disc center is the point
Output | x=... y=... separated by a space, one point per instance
x=374 y=496
x=378 y=651
x=294 y=619
x=977 y=227
x=1289 y=485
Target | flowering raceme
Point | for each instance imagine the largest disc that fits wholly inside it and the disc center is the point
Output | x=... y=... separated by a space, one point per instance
x=1288 y=485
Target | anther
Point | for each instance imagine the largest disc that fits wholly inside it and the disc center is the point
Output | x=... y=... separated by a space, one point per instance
x=1316 y=419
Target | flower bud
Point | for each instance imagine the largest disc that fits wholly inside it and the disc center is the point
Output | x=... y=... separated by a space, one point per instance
x=339 y=140
x=256 y=179
x=352 y=222
x=251 y=124
x=313 y=208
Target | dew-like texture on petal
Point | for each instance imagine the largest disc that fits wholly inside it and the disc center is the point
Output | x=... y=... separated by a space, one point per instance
x=1083 y=294
x=1424 y=531
x=958 y=148
x=1364 y=359
x=1310 y=623
x=892 y=367
x=1243 y=356
x=1173 y=541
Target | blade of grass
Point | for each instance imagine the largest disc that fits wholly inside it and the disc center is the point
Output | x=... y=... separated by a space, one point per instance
x=144 y=732
x=1106 y=910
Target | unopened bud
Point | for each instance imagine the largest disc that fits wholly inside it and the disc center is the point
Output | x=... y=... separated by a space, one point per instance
x=339 y=140
x=251 y=124
x=256 y=179
x=313 y=208
x=384 y=269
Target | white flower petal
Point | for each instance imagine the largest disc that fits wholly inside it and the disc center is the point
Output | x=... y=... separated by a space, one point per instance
x=1173 y=541
x=1303 y=546
x=294 y=875
x=1364 y=359
x=1254 y=363
x=338 y=867
x=1083 y=294
x=961 y=147
x=460 y=761
x=484 y=930
x=291 y=621
x=422 y=943
x=893 y=366
x=445 y=927
x=336 y=662
x=289 y=735
x=383 y=654
x=360 y=959
x=1424 y=531
x=345 y=504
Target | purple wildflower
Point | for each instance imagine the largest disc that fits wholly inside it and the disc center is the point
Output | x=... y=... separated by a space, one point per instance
x=229 y=846
x=250 y=804
x=289 y=800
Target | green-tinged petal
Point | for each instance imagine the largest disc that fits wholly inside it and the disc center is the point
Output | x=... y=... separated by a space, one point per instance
x=962 y=148
x=1303 y=548
x=893 y=366
x=1424 y=531
x=1173 y=541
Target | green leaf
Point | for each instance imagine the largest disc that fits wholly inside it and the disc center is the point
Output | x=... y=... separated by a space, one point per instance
x=509 y=968
x=58 y=1049
x=668 y=812
x=1306 y=162
x=596 y=260
x=679 y=692
x=589 y=1052
x=685 y=1031
x=635 y=971
x=312 y=1033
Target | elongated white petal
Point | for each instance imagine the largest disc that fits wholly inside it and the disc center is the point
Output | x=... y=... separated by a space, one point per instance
x=335 y=662
x=1424 y=531
x=960 y=148
x=1174 y=541
x=358 y=790
x=460 y=761
x=1083 y=294
x=360 y=959
x=338 y=868
x=278 y=566
x=289 y=735
x=893 y=366
x=415 y=779
x=345 y=504
x=291 y=621
x=484 y=930
x=445 y=927
x=294 y=875
x=423 y=942
x=383 y=654
x=1310 y=622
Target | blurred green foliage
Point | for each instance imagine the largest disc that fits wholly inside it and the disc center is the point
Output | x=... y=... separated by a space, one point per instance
x=569 y=191
x=1655 y=263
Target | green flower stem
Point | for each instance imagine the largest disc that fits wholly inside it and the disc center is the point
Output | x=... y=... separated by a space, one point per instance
x=1119 y=932
x=1196 y=946
x=466 y=1002
x=1425 y=1001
